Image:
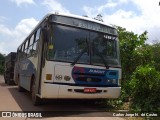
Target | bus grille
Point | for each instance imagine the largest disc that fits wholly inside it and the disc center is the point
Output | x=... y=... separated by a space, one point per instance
x=88 y=79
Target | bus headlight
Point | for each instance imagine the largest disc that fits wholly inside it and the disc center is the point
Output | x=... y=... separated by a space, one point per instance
x=111 y=81
x=67 y=78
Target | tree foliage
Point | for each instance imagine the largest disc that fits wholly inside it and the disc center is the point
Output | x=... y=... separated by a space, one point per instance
x=155 y=54
x=1 y=63
x=140 y=70
x=145 y=87
x=129 y=43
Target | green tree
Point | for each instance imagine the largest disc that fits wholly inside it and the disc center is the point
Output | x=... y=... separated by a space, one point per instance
x=155 y=54
x=133 y=53
x=145 y=87
x=2 y=58
x=140 y=68
x=143 y=55
x=129 y=43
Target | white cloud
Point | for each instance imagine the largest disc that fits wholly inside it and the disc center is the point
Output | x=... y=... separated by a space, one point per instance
x=4 y=30
x=2 y=18
x=108 y=5
x=123 y=1
x=12 y=38
x=54 y=6
x=147 y=17
x=96 y=10
x=20 y=2
x=2 y=48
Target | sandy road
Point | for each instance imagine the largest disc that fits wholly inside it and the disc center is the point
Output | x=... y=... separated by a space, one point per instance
x=12 y=100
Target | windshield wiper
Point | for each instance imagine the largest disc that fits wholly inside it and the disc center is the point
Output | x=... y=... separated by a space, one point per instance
x=79 y=56
x=101 y=56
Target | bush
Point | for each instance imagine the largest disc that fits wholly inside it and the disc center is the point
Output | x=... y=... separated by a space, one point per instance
x=2 y=58
x=145 y=87
x=1 y=70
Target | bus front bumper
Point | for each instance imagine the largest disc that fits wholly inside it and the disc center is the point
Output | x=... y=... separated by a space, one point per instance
x=55 y=91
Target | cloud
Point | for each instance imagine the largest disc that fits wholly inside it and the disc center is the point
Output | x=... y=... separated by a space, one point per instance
x=144 y=15
x=20 y=2
x=96 y=10
x=2 y=48
x=2 y=18
x=54 y=6
x=4 y=30
x=11 y=38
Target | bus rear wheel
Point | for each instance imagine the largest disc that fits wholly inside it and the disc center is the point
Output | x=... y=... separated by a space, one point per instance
x=35 y=99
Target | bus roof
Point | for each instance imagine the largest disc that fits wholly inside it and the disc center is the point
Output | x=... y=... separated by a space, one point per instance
x=65 y=15
x=78 y=17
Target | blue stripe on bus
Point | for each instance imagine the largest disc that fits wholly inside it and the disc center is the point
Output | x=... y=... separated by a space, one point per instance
x=92 y=76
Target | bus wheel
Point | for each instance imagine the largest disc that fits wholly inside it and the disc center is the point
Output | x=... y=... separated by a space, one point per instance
x=35 y=99
x=20 y=89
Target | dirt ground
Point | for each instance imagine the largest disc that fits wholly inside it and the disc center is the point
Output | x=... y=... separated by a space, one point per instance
x=11 y=101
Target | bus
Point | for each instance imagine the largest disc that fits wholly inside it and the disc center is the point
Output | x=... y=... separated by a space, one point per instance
x=9 y=68
x=69 y=57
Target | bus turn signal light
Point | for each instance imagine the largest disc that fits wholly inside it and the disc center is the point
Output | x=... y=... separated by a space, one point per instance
x=48 y=76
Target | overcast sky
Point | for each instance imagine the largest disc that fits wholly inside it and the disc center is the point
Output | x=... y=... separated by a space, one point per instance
x=19 y=17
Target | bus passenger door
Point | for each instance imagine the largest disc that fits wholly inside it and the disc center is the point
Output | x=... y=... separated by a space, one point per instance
x=39 y=64
x=41 y=59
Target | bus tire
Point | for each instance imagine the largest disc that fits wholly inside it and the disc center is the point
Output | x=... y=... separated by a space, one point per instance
x=20 y=89
x=35 y=99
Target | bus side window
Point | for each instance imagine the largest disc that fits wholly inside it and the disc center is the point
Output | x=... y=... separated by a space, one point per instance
x=37 y=36
x=22 y=52
x=34 y=48
x=18 y=54
x=31 y=45
x=26 y=49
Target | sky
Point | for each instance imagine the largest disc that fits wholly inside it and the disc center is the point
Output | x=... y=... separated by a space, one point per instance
x=19 y=17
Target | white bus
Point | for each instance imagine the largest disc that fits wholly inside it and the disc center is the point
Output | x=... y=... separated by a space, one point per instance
x=69 y=57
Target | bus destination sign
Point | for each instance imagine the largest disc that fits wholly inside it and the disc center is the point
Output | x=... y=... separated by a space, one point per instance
x=84 y=24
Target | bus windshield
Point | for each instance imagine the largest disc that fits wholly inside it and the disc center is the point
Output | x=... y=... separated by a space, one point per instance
x=89 y=47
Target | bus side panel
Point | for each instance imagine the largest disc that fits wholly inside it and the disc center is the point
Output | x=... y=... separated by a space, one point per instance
x=27 y=70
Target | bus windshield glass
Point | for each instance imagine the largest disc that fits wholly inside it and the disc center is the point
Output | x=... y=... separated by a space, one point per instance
x=89 y=47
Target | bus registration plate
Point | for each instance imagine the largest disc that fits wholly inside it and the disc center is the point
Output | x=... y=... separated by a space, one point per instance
x=90 y=90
